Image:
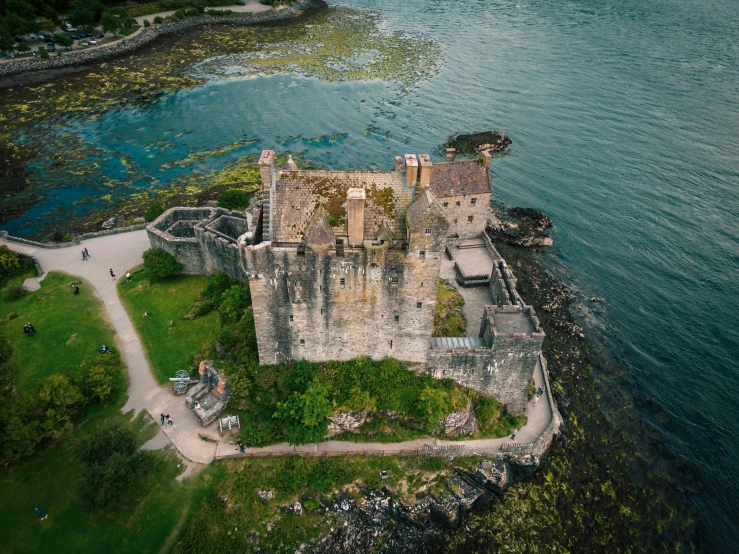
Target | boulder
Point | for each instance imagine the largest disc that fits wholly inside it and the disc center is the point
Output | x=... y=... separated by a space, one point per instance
x=266 y=494
x=493 y=475
x=344 y=421
x=464 y=493
x=454 y=421
x=296 y=509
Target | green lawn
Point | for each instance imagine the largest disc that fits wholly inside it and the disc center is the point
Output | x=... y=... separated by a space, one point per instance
x=169 y=348
x=51 y=480
x=69 y=328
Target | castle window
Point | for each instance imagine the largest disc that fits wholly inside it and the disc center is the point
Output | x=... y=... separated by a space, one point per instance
x=342 y=281
x=321 y=311
x=429 y=230
x=455 y=221
x=302 y=342
x=459 y=203
x=391 y=343
x=339 y=242
x=393 y=280
x=473 y=201
x=422 y=254
x=446 y=204
x=291 y=319
x=396 y=318
x=381 y=243
x=419 y=305
x=470 y=219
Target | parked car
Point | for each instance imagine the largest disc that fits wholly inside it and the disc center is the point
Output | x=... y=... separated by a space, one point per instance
x=69 y=28
x=41 y=48
x=93 y=41
x=100 y=35
x=3 y=53
x=45 y=34
x=33 y=36
x=79 y=35
x=88 y=35
x=51 y=47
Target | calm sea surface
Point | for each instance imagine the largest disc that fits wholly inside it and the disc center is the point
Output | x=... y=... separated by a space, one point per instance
x=624 y=117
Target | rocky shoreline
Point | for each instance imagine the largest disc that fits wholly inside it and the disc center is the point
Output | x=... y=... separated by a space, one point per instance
x=149 y=34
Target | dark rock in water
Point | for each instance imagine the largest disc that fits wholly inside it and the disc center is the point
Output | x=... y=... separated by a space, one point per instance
x=523 y=227
x=474 y=143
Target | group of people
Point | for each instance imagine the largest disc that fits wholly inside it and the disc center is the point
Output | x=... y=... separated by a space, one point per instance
x=167 y=419
x=85 y=255
x=242 y=448
x=29 y=329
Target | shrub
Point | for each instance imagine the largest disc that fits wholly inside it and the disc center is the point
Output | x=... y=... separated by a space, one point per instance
x=12 y=315
x=179 y=14
x=235 y=302
x=146 y=23
x=9 y=261
x=233 y=199
x=158 y=20
x=43 y=54
x=14 y=292
x=67 y=238
x=305 y=415
x=432 y=406
x=113 y=465
x=153 y=210
x=161 y=264
x=99 y=376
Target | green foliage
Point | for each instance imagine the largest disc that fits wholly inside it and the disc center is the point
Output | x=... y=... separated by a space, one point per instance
x=9 y=261
x=493 y=420
x=432 y=463
x=234 y=303
x=147 y=23
x=114 y=467
x=158 y=20
x=449 y=320
x=155 y=208
x=233 y=199
x=86 y=12
x=43 y=54
x=432 y=406
x=161 y=264
x=63 y=40
x=360 y=400
x=305 y=415
x=14 y=291
x=111 y=23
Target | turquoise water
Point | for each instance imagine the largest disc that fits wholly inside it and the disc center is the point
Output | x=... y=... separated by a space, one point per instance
x=625 y=125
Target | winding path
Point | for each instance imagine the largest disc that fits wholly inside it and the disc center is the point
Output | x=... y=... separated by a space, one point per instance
x=124 y=251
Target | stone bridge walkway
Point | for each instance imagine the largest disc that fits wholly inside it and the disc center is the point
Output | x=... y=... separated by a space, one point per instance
x=122 y=252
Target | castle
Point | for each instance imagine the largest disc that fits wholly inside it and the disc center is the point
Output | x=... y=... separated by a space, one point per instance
x=344 y=264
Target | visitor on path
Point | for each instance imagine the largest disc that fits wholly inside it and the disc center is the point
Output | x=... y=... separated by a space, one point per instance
x=76 y=289
x=540 y=390
x=242 y=449
x=84 y=256
x=239 y=443
x=31 y=327
x=111 y=273
x=128 y=276
x=513 y=435
x=27 y=331
x=87 y=253
x=536 y=399
x=169 y=421
x=161 y=416
x=40 y=513
x=104 y=350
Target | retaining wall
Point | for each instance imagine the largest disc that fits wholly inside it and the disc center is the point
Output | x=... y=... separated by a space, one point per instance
x=148 y=34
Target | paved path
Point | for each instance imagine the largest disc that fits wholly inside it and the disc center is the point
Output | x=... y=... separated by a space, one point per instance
x=251 y=6
x=122 y=252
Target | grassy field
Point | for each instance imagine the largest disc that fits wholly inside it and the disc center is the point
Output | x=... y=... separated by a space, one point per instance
x=449 y=320
x=51 y=480
x=169 y=348
x=70 y=328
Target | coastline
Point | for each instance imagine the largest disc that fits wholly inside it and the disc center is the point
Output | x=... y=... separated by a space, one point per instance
x=12 y=73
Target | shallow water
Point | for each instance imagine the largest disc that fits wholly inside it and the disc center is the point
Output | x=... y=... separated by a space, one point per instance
x=624 y=119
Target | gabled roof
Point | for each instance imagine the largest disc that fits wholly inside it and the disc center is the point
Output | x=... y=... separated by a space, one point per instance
x=423 y=202
x=319 y=232
x=460 y=178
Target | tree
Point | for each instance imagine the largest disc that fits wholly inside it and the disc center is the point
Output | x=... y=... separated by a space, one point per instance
x=234 y=303
x=60 y=400
x=360 y=400
x=9 y=261
x=86 y=12
x=306 y=415
x=63 y=40
x=161 y=264
x=432 y=406
x=154 y=210
x=110 y=23
x=6 y=37
x=233 y=199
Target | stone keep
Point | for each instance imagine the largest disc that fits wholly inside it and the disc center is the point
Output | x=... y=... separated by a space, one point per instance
x=344 y=264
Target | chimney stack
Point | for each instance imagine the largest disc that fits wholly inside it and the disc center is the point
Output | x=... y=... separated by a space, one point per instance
x=355 y=216
x=426 y=165
x=450 y=154
x=486 y=157
x=411 y=170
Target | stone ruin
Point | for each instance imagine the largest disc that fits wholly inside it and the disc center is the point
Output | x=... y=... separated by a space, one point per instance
x=210 y=396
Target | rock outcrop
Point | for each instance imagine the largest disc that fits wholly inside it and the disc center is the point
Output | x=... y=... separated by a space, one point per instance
x=523 y=227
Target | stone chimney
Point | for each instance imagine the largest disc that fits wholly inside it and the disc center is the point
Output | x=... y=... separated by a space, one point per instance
x=266 y=167
x=486 y=157
x=426 y=165
x=411 y=170
x=450 y=154
x=291 y=165
x=355 y=216
x=399 y=163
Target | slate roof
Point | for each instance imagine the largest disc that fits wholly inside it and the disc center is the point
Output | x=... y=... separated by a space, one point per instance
x=460 y=178
x=319 y=232
x=422 y=202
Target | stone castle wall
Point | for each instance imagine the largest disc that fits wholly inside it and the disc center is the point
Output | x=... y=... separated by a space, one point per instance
x=460 y=208
x=372 y=302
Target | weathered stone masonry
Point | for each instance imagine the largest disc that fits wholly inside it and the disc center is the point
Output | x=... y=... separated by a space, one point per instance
x=344 y=264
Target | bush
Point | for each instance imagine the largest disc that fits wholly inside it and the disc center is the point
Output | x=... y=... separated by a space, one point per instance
x=153 y=210
x=67 y=238
x=43 y=54
x=99 y=376
x=161 y=264
x=233 y=199
x=113 y=465
x=14 y=292
x=12 y=315
x=158 y=20
x=146 y=23
x=179 y=14
x=9 y=261
x=305 y=415
x=234 y=304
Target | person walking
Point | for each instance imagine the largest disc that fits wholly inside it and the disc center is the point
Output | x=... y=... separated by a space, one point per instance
x=128 y=276
x=84 y=256
x=40 y=513
x=87 y=253
x=513 y=435
x=169 y=421
x=239 y=444
x=111 y=273
x=536 y=399
x=161 y=416
x=32 y=328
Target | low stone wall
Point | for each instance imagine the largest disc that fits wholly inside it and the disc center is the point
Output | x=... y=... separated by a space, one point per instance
x=76 y=239
x=147 y=35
